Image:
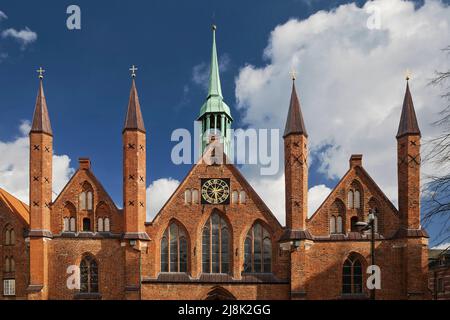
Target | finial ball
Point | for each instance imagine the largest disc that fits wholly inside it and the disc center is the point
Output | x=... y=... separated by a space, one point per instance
x=214 y=27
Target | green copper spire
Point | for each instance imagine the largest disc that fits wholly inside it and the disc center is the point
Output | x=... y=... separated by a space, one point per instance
x=215 y=114
x=214 y=76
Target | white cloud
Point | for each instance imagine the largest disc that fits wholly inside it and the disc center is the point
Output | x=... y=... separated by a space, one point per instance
x=442 y=246
x=24 y=36
x=158 y=192
x=14 y=166
x=351 y=83
x=316 y=195
x=271 y=190
x=3 y=16
x=200 y=72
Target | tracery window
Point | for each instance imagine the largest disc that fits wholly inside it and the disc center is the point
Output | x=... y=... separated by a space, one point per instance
x=216 y=245
x=258 y=250
x=88 y=275
x=174 y=249
x=352 y=276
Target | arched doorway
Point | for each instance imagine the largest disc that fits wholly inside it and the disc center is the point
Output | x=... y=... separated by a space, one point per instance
x=219 y=293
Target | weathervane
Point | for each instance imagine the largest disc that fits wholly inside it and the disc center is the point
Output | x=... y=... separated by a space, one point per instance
x=293 y=74
x=133 y=70
x=41 y=73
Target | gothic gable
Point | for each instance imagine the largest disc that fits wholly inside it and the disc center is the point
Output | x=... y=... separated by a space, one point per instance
x=350 y=201
x=86 y=201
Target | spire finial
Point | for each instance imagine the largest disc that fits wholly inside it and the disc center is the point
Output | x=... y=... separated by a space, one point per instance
x=133 y=70
x=41 y=73
x=293 y=74
x=407 y=74
x=214 y=27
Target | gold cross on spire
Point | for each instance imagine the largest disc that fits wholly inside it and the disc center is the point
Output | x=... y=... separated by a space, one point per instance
x=407 y=74
x=133 y=70
x=293 y=74
x=41 y=73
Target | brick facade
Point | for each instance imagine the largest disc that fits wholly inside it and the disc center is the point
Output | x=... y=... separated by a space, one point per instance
x=120 y=256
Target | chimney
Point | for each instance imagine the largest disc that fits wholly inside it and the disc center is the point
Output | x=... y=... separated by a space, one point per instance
x=356 y=160
x=84 y=163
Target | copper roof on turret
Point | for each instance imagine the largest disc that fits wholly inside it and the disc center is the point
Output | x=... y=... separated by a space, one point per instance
x=41 y=120
x=408 y=121
x=294 y=122
x=134 y=120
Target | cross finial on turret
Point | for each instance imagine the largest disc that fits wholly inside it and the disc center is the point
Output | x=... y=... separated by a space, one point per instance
x=293 y=74
x=41 y=73
x=133 y=70
x=407 y=74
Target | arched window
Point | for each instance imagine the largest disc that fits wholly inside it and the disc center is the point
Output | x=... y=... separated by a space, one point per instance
x=12 y=235
x=350 y=199
x=107 y=225
x=215 y=246
x=339 y=225
x=100 y=225
x=12 y=265
x=234 y=197
x=7 y=237
x=332 y=224
x=242 y=197
x=88 y=275
x=86 y=224
x=187 y=196
x=66 y=224
x=257 y=250
x=357 y=204
x=90 y=200
x=195 y=196
x=174 y=250
x=352 y=276
x=73 y=224
x=82 y=201
x=7 y=265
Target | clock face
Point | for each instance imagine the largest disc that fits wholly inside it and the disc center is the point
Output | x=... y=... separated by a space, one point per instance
x=215 y=191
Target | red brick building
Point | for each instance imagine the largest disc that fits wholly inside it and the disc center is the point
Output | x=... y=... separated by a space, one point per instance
x=214 y=238
x=439 y=273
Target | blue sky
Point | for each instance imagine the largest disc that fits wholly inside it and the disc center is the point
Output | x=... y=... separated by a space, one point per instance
x=87 y=80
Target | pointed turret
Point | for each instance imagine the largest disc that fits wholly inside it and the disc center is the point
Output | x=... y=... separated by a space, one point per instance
x=408 y=121
x=133 y=120
x=215 y=88
x=41 y=120
x=296 y=166
x=294 y=122
x=215 y=114
x=40 y=175
x=408 y=155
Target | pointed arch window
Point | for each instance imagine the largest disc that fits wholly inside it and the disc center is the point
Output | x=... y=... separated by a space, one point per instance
x=88 y=275
x=258 y=250
x=66 y=224
x=82 y=201
x=339 y=225
x=350 y=199
x=174 y=249
x=7 y=265
x=89 y=200
x=332 y=224
x=73 y=225
x=187 y=196
x=195 y=196
x=107 y=225
x=357 y=200
x=352 y=276
x=100 y=225
x=216 y=245
x=242 y=197
x=234 y=197
x=10 y=236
